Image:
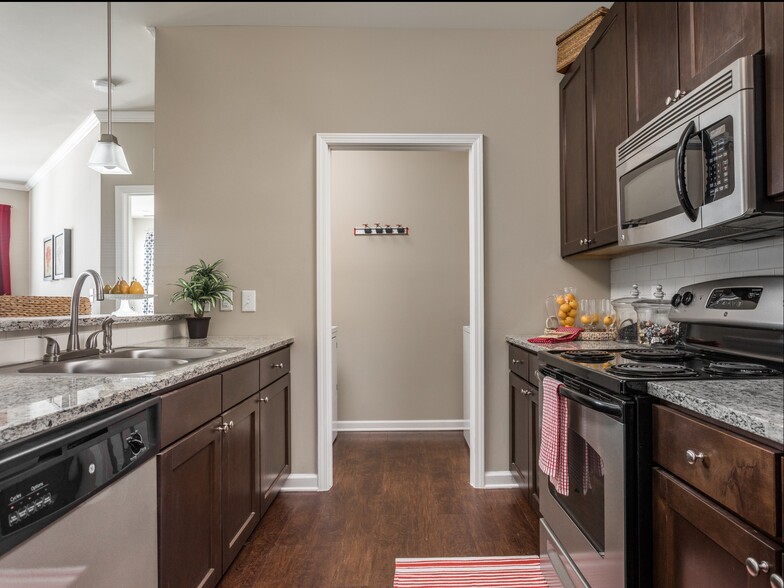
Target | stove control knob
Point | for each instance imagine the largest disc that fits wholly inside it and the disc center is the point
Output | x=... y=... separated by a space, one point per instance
x=687 y=298
x=135 y=442
x=676 y=300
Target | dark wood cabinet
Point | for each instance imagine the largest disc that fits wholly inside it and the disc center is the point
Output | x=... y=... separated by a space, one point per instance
x=524 y=422
x=216 y=482
x=698 y=543
x=275 y=438
x=606 y=96
x=774 y=97
x=573 y=158
x=240 y=473
x=189 y=509
x=593 y=118
x=652 y=58
x=711 y=35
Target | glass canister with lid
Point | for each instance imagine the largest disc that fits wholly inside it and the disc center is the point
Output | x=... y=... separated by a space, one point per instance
x=653 y=324
x=626 y=317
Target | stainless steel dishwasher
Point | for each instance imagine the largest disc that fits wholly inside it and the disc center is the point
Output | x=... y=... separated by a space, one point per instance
x=78 y=505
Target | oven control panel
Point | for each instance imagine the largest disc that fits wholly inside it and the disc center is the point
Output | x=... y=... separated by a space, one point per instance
x=744 y=302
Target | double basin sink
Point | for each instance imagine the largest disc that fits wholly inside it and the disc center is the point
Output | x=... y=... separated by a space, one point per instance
x=129 y=360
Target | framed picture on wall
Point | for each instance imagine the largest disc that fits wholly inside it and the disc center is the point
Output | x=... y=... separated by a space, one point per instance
x=62 y=255
x=49 y=257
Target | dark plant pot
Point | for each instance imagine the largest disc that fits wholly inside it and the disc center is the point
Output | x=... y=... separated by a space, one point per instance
x=198 y=327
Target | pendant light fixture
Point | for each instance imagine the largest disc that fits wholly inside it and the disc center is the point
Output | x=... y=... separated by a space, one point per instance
x=107 y=156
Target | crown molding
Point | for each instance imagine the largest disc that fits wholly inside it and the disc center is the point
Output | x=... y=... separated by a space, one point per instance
x=13 y=186
x=87 y=126
x=127 y=116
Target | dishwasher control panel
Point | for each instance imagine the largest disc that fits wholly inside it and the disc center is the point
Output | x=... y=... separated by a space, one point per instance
x=44 y=482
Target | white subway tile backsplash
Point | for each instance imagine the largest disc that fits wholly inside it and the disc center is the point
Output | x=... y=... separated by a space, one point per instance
x=695 y=267
x=651 y=257
x=683 y=253
x=643 y=273
x=619 y=263
x=743 y=261
x=659 y=271
x=770 y=257
x=12 y=351
x=676 y=269
x=757 y=273
x=729 y=249
x=704 y=252
x=666 y=255
x=717 y=264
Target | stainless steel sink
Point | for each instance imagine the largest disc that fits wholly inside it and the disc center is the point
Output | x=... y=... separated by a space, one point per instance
x=186 y=353
x=105 y=366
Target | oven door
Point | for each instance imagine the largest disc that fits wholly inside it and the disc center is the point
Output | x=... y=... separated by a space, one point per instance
x=589 y=523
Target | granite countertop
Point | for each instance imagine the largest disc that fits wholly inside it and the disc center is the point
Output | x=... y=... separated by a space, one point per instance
x=522 y=341
x=30 y=404
x=29 y=323
x=756 y=406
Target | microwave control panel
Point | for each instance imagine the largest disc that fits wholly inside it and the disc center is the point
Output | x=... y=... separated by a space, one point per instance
x=719 y=160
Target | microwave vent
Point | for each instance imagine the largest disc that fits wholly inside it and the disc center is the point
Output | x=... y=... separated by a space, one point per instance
x=683 y=111
x=737 y=232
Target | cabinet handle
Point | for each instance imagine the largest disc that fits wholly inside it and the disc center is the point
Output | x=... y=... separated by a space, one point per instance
x=754 y=568
x=668 y=101
x=224 y=428
x=588 y=241
x=776 y=581
x=678 y=94
x=277 y=366
x=693 y=457
x=265 y=400
x=231 y=424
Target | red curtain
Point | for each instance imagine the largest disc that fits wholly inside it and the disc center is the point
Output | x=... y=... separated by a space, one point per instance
x=5 y=242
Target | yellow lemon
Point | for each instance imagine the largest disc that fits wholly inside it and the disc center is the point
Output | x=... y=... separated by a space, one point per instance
x=573 y=303
x=559 y=300
x=573 y=313
x=585 y=319
x=608 y=320
x=565 y=307
x=561 y=314
x=570 y=297
x=569 y=321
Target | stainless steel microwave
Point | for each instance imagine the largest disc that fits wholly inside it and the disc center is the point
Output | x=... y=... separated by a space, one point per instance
x=695 y=175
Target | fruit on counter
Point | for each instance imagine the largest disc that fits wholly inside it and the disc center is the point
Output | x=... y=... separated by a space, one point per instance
x=608 y=320
x=124 y=287
x=135 y=287
x=116 y=288
x=560 y=300
x=565 y=308
x=569 y=321
x=107 y=289
x=571 y=297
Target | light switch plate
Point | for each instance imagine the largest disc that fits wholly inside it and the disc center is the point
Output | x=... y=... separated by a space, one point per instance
x=228 y=305
x=249 y=301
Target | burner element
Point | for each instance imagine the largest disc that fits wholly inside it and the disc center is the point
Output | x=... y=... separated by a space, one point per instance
x=657 y=354
x=737 y=368
x=588 y=356
x=651 y=370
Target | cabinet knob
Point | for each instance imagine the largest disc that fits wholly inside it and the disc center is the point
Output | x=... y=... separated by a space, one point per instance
x=516 y=361
x=693 y=457
x=588 y=241
x=776 y=581
x=754 y=568
x=277 y=366
x=668 y=101
x=231 y=424
x=678 y=94
x=223 y=428
x=265 y=400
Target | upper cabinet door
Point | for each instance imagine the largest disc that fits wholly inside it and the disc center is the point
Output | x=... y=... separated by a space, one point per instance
x=652 y=54
x=714 y=34
x=574 y=176
x=607 y=122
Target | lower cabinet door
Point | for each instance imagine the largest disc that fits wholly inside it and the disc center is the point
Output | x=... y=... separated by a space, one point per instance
x=240 y=475
x=533 y=479
x=189 y=507
x=519 y=443
x=698 y=543
x=275 y=438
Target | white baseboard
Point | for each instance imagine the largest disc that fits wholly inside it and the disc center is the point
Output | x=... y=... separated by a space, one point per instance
x=301 y=483
x=443 y=425
x=499 y=480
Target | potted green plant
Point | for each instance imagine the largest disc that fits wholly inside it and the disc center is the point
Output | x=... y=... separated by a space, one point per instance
x=205 y=283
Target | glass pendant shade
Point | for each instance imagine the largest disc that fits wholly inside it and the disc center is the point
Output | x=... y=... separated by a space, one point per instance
x=108 y=157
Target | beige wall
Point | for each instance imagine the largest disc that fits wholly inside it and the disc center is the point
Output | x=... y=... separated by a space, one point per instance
x=400 y=302
x=19 y=248
x=237 y=109
x=68 y=197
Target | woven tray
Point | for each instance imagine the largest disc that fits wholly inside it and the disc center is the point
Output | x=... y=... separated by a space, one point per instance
x=571 y=42
x=40 y=305
x=590 y=335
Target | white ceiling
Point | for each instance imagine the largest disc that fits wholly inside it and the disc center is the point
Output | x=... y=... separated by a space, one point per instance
x=51 y=51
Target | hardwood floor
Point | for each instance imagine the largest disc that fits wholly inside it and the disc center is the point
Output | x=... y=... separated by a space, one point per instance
x=394 y=495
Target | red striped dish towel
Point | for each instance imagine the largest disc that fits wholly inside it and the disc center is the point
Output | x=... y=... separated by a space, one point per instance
x=571 y=334
x=553 y=451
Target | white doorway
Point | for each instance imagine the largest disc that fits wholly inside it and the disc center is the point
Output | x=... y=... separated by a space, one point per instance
x=472 y=144
x=134 y=240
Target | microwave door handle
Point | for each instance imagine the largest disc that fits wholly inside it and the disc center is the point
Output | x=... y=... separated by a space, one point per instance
x=590 y=401
x=680 y=173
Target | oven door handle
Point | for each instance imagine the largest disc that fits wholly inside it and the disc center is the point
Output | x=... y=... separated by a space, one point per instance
x=680 y=173
x=590 y=402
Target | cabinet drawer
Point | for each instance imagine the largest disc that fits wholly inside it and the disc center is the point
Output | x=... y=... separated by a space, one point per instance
x=273 y=366
x=518 y=361
x=239 y=383
x=189 y=407
x=738 y=474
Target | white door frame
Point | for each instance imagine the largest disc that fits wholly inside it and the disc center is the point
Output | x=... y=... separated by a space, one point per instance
x=325 y=144
x=123 y=240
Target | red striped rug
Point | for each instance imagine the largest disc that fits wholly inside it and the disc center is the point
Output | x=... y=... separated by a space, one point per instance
x=465 y=572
